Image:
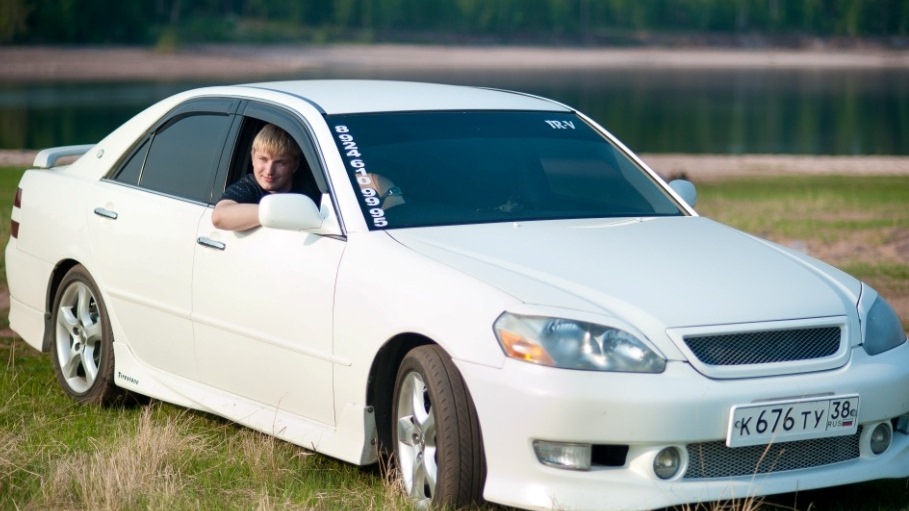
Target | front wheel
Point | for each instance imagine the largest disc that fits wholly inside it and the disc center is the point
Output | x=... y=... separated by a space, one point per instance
x=438 y=446
x=82 y=348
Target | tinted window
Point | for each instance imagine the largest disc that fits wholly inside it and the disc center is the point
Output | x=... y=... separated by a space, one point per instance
x=184 y=155
x=131 y=171
x=443 y=168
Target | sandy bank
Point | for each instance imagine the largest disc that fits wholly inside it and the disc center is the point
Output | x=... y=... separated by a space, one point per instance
x=21 y=64
x=707 y=167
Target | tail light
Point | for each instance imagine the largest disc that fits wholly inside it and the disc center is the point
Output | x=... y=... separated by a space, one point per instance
x=13 y=224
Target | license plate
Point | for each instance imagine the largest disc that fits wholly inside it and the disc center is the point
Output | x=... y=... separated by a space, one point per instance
x=788 y=421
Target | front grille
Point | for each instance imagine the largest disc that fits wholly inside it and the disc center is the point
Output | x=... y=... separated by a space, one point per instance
x=711 y=460
x=766 y=347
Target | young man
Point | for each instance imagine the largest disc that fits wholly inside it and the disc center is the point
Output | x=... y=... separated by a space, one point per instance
x=275 y=159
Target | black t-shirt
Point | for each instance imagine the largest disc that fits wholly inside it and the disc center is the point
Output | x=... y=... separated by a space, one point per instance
x=248 y=191
x=245 y=191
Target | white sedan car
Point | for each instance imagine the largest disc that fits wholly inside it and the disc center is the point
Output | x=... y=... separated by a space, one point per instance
x=486 y=284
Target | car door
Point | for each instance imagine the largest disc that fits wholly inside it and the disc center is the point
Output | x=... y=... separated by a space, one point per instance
x=262 y=301
x=143 y=229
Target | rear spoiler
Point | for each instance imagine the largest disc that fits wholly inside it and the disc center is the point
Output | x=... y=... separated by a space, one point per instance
x=48 y=158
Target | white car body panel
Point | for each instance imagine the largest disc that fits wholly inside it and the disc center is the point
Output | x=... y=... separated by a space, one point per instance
x=379 y=278
x=26 y=316
x=671 y=249
x=152 y=301
x=285 y=331
x=349 y=440
x=38 y=251
x=264 y=332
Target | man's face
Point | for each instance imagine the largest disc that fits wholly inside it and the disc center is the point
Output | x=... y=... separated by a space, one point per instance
x=274 y=173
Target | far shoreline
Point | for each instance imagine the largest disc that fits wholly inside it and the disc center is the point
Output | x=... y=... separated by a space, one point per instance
x=30 y=64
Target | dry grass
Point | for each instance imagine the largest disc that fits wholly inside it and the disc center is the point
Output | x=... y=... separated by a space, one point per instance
x=9 y=453
x=140 y=469
x=750 y=504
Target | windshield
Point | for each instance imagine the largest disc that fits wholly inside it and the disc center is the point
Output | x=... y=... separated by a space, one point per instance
x=420 y=169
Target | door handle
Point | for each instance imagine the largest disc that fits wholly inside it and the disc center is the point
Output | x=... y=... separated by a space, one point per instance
x=210 y=243
x=106 y=213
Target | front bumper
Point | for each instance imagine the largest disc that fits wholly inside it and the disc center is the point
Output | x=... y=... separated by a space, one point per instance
x=520 y=403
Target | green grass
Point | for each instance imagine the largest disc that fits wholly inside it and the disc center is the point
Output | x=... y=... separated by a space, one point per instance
x=816 y=206
x=55 y=454
x=858 y=224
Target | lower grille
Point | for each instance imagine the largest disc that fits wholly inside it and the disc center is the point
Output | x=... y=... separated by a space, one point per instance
x=711 y=460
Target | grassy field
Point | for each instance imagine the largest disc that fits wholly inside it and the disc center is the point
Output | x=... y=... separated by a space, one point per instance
x=858 y=224
x=55 y=454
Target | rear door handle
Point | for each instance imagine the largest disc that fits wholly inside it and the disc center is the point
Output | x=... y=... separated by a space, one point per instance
x=210 y=243
x=106 y=213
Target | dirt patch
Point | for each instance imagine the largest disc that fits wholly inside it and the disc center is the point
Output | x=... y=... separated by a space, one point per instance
x=709 y=167
x=872 y=248
x=16 y=158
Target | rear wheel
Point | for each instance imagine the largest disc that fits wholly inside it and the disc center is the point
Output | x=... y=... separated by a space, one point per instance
x=82 y=348
x=438 y=446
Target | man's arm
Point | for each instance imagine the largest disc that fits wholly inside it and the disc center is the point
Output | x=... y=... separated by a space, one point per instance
x=233 y=216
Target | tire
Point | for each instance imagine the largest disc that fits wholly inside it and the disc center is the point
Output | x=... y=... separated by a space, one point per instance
x=438 y=449
x=82 y=349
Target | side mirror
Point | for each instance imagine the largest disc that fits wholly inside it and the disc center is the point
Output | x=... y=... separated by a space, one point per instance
x=289 y=211
x=686 y=190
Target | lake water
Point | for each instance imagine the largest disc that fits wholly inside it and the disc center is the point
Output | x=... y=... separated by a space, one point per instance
x=838 y=112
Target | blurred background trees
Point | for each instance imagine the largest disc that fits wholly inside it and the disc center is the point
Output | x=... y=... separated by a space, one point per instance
x=168 y=23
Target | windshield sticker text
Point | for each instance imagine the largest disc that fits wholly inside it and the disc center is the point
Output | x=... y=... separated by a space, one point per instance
x=367 y=187
x=560 y=125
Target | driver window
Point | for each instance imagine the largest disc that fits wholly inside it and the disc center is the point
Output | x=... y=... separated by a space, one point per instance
x=241 y=162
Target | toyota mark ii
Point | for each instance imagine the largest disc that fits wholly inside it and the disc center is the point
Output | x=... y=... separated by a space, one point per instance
x=485 y=284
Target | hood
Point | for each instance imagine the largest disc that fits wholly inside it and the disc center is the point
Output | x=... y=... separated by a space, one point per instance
x=677 y=271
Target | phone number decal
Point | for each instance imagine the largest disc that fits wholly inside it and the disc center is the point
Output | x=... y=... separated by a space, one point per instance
x=368 y=192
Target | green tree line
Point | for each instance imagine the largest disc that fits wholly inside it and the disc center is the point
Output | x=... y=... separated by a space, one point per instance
x=160 y=21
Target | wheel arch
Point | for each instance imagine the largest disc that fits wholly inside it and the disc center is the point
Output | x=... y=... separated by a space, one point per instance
x=56 y=276
x=381 y=383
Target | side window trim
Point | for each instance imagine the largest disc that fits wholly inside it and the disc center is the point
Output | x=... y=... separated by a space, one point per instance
x=204 y=106
x=142 y=144
x=222 y=173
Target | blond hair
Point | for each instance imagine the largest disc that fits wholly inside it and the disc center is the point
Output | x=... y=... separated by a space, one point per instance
x=274 y=141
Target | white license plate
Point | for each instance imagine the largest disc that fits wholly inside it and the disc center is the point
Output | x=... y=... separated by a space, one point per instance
x=787 y=421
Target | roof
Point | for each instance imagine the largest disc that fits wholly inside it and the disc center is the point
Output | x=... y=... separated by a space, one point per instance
x=360 y=96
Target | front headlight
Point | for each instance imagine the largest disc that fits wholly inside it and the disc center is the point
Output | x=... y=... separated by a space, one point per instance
x=571 y=344
x=881 y=327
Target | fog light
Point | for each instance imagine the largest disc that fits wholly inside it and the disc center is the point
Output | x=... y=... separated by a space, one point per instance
x=881 y=437
x=667 y=463
x=902 y=424
x=563 y=455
